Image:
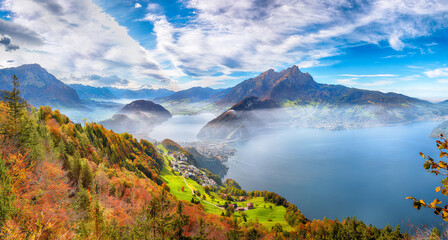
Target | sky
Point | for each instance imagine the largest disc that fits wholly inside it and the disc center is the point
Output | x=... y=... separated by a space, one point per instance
x=386 y=45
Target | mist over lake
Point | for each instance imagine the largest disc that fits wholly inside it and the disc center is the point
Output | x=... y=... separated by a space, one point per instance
x=181 y=128
x=365 y=173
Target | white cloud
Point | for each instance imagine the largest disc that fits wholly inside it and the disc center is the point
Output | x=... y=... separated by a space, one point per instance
x=223 y=36
x=347 y=81
x=395 y=56
x=255 y=35
x=409 y=78
x=378 y=83
x=78 y=39
x=369 y=75
x=355 y=83
x=436 y=73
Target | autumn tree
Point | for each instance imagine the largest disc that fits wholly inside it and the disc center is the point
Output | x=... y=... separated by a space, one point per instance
x=203 y=233
x=437 y=167
x=234 y=230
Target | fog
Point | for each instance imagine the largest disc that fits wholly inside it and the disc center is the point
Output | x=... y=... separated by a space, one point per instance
x=181 y=128
x=236 y=125
x=91 y=113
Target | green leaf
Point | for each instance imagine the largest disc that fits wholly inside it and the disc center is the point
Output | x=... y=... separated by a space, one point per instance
x=427 y=165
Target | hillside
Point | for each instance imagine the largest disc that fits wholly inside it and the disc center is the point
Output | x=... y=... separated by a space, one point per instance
x=193 y=157
x=39 y=87
x=63 y=180
x=440 y=129
x=137 y=117
x=240 y=121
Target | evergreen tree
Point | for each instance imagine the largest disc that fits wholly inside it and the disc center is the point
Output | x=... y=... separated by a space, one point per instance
x=6 y=194
x=16 y=110
x=179 y=222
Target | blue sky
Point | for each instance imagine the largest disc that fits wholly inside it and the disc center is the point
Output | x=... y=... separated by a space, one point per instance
x=385 y=45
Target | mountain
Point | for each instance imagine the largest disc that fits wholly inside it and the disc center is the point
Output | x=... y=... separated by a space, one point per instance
x=107 y=93
x=143 y=106
x=139 y=94
x=294 y=99
x=89 y=92
x=293 y=85
x=137 y=117
x=39 y=87
x=191 y=95
x=240 y=121
x=440 y=129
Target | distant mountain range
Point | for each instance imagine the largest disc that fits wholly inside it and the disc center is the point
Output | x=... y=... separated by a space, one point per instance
x=300 y=88
x=39 y=87
x=89 y=92
x=333 y=106
x=140 y=94
x=111 y=93
x=191 y=95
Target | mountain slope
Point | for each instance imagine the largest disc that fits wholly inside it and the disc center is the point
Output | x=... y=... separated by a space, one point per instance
x=191 y=95
x=39 y=87
x=137 y=117
x=293 y=85
x=240 y=121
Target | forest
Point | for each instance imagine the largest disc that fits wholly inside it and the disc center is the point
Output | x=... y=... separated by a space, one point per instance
x=66 y=180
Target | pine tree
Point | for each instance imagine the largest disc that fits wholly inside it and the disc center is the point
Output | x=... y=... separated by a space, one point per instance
x=179 y=222
x=16 y=110
x=6 y=194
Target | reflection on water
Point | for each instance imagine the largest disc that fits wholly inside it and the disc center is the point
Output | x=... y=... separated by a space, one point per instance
x=365 y=173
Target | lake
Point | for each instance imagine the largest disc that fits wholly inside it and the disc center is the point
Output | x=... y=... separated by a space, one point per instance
x=366 y=173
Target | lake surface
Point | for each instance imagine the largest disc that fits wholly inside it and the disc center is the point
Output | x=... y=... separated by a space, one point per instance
x=366 y=173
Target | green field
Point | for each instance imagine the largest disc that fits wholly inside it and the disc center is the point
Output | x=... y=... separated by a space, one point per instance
x=265 y=213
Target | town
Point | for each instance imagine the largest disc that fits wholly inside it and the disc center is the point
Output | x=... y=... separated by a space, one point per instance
x=222 y=151
x=180 y=165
